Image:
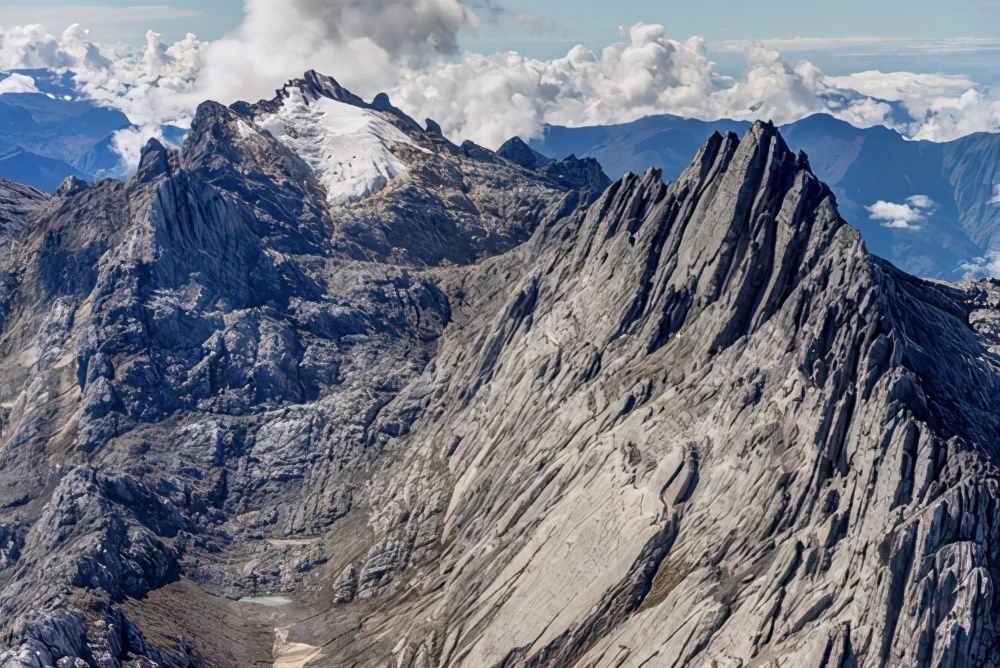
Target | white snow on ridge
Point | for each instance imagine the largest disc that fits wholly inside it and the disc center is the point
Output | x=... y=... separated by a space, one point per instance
x=246 y=132
x=348 y=148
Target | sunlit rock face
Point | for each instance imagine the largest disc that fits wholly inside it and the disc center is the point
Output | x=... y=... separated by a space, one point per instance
x=932 y=209
x=270 y=402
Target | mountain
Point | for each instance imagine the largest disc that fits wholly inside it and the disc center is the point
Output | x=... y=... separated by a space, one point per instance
x=663 y=141
x=48 y=122
x=35 y=170
x=55 y=122
x=323 y=388
x=53 y=128
x=862 y=166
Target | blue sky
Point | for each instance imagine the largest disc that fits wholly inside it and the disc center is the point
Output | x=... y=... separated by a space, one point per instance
x=920 y=34
x=597 y=20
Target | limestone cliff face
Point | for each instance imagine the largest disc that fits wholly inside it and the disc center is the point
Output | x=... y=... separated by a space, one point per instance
x=480 y=414
x=705 y=425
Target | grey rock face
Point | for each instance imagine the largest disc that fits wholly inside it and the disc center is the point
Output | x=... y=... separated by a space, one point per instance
x=862 y=167
x=194 y=361
x=750 y=452
x=515 y=150
x=478 y=415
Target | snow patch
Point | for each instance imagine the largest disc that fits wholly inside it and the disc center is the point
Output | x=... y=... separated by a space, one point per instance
x=350 y=149
x=246 y=132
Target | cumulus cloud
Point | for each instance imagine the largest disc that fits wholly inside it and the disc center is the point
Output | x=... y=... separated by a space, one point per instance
x=942 y=106
x=30 y=46
x=18 y=83
x=987 y=266
x=902 y=216
x=409 y=48
x=921 y=201
x=364 y=43
x=488 y=98
x=154 y=85
x=996 y=197
x=141 y=82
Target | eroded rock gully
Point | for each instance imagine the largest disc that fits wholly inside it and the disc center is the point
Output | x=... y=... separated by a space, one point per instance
x=490 y=412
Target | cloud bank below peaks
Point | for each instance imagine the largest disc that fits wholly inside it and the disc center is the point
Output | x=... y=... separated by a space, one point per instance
x=154 y=85
x=410 y=49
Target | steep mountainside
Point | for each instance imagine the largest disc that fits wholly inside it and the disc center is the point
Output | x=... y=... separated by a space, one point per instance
x=862 y=166
x=34 y=170
x=325 y=389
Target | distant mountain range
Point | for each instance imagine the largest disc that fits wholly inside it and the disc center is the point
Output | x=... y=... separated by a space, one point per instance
x=51 y=130
x=930 y=208
x=54 y=133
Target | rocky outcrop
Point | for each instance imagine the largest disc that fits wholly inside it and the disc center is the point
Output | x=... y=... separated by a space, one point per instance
x=515 y=150
x=193 y=362
x=483 y=414
x=949 y=186
x=703 y=425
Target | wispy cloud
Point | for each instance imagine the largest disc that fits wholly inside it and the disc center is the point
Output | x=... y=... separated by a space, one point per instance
x=862 y=44
x=62 y=15
x=495 y=14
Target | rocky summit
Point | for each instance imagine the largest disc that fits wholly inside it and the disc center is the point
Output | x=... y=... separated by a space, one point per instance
x=323 y=388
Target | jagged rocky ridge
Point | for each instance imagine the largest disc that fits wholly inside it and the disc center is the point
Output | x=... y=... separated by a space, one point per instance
x=956 y=181
x=684 y=424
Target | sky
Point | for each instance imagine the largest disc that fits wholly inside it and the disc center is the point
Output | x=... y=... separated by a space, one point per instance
x=574 y=20
x=841 y=37
x=490 y=69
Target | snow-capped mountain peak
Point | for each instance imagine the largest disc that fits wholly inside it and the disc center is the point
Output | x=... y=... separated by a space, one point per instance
x=354 y=148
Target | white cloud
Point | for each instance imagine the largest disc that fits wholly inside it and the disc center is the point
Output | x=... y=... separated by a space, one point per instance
x=153 y=86
x=30 y=46
x=921 y=201
x=943 y=106
x=409 y=48
x=901 y=216
x=996 y=198
x=363 y=43
x=18 y=83
x=904 y=85
x=490 y=97
x=871 y=45
x=987 y=266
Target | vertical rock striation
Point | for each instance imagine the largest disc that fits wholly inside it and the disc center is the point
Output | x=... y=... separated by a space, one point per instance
x=706 y=426
x=488 y=412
